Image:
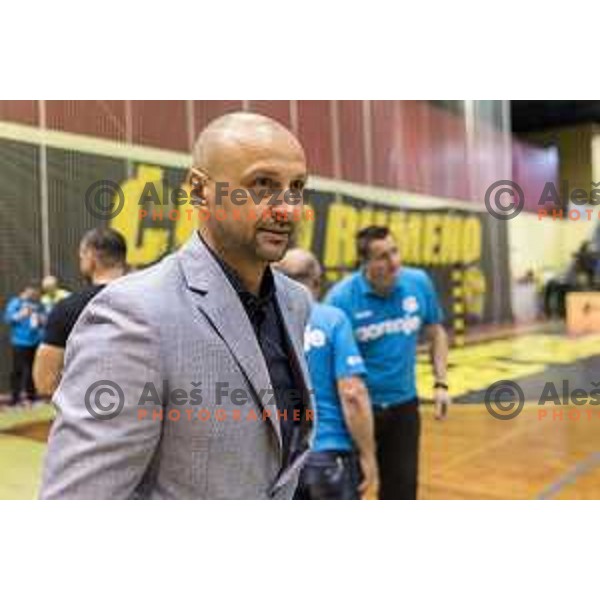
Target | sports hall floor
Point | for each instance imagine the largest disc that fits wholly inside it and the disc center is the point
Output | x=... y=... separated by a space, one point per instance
x=537 y=454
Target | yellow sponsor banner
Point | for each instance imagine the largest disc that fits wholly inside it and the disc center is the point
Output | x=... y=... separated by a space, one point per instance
x=158 y=217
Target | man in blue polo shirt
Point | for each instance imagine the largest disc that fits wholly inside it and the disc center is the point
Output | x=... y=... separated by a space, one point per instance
x=388 y=306
x=344 y=423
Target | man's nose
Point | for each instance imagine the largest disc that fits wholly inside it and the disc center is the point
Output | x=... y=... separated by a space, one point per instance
x=283 y=209
x=393 y=263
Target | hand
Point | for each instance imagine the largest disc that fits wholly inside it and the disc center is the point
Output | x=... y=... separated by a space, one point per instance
x=442 y=401
x=25 y=312
x=369 y=486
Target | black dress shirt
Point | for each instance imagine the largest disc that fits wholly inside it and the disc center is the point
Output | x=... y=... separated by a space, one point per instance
x=265 y=316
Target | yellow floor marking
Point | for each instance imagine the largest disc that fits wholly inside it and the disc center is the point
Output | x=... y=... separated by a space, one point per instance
x=16 y=417
x=476 y=367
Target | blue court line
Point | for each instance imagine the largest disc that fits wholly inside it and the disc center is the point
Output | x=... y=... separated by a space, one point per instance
x=583 y=466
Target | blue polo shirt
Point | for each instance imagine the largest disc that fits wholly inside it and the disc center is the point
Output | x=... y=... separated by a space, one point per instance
x=387 y=329
x=331 y=354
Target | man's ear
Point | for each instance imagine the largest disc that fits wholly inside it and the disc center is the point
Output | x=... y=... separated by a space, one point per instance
x=197 y=180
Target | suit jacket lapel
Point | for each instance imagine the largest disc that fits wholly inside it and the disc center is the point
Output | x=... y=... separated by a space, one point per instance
x=221 y=305
x=295 y=332
x=294 y=327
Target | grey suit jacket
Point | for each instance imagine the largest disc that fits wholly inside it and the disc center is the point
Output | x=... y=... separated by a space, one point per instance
x=173 y=340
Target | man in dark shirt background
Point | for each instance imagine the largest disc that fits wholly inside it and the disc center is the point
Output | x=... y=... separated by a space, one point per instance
x=102 y=258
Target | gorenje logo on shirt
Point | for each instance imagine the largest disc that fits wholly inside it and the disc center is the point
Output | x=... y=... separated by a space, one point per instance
x=406 y=325
x=313 y=338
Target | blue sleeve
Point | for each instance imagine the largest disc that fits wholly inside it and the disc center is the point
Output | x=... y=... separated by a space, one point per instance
x=433 y=311
x=347 y=359
x=11 y=311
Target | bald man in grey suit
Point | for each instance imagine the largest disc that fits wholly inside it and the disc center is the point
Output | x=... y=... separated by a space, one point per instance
x=188 y=379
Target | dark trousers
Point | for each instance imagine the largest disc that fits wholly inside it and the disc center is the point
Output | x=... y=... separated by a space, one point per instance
x=22 y=373
x=397 y=432
x=329 y=475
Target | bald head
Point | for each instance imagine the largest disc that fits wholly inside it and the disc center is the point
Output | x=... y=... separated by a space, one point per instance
x=49 y=283
x=248 y=177
x=302 y=266
x=237 y=136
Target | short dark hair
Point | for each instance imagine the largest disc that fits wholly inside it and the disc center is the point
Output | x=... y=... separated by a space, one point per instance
x=110 y=246
x=367 y=235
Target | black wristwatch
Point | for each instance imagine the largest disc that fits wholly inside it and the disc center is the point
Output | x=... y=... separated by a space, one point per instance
x=440 y=385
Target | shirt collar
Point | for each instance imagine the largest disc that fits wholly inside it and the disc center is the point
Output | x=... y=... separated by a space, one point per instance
x=267 y=285
x=368 y=290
